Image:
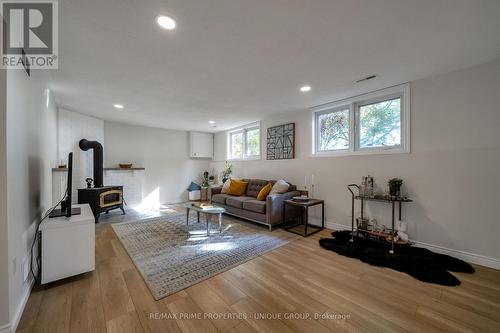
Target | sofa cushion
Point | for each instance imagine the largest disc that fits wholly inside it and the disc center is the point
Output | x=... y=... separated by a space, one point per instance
x=254 y=187
x=237 y=187
x=237 y=201
x=280 y=187
x=255 y=206
x=220 y=198
x=290 y=188
x=264 y=192
x=225 y=186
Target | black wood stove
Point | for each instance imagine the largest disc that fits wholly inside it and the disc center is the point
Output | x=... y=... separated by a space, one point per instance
x=100 y=198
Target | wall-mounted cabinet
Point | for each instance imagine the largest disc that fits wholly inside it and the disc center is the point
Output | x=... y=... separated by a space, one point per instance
x=201 y=145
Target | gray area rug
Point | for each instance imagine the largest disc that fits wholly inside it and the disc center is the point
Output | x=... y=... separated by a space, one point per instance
x=172 y=256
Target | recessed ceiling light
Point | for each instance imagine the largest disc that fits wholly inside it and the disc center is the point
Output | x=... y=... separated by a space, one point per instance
x=211 y=122
x=305 y=88
x=166 y=22
x=118 y=106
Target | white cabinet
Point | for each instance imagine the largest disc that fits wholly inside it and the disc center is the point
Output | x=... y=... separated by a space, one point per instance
x=68 y=245
x=201 y=145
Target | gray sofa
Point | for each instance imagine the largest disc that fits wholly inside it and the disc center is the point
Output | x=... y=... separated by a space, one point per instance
x=268 y=212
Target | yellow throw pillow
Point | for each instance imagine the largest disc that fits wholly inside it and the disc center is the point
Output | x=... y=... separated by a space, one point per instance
x=237 y=187
x=264 y=192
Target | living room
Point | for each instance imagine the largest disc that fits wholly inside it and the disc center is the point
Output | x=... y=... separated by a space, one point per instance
x=233 y=166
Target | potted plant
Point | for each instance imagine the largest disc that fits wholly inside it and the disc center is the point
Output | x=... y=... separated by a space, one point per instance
x=395 y=186
x=226 y=173
x=204 y=179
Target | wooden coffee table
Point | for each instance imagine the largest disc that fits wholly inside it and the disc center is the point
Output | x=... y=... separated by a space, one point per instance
x=214 y=210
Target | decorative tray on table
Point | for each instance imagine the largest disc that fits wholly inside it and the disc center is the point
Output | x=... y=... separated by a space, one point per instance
x=301 y=198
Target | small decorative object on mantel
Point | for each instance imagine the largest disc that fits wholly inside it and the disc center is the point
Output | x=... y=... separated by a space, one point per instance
x=281 y=142
x=62 y=165
x=89 y=182
x=395 y=187
x=125 y=165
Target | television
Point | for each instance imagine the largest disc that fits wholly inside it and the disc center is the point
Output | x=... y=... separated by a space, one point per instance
x=66 y=209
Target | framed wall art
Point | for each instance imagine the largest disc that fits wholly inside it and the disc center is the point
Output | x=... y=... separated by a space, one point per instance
x=281 y=142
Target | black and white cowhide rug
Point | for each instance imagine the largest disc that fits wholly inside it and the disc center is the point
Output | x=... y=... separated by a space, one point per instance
x=420 y=263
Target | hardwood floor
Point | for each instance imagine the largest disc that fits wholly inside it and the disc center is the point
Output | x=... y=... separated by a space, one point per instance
x=298 y=287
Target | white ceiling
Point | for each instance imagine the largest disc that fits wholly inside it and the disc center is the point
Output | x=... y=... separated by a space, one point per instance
x=237 y=61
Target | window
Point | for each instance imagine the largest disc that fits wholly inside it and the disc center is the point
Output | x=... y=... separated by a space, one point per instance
x=253 y=142
x=237 y=144
x=371 y=123
x=380 y=124
x=333 y=129
x=244 y=143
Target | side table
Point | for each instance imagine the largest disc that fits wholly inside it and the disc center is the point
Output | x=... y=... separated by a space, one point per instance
x=302 y=227
x=204 y=194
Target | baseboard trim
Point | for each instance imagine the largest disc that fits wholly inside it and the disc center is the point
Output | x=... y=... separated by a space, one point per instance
x=463 y=255
x=466 y=256
x=22 y=305
x=5 y=329
x=336 y=226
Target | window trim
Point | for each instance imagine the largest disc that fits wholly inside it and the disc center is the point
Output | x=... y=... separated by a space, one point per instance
x=244 y=130
x=402 y=91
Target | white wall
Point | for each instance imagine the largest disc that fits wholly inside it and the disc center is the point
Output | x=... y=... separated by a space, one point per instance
x=132 y=182
x=164 y=154
x=4 y=260
x=169 y=167
x=71 y=128
x=31 y=150
x=452 y=171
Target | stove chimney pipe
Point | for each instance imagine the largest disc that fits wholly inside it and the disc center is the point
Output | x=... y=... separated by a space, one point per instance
x=85 y=145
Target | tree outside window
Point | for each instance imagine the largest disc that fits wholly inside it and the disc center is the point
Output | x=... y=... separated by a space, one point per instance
x=237 y=145
x=334 y=130
x=253 y=142
x=380 y=124
x=365 y=124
